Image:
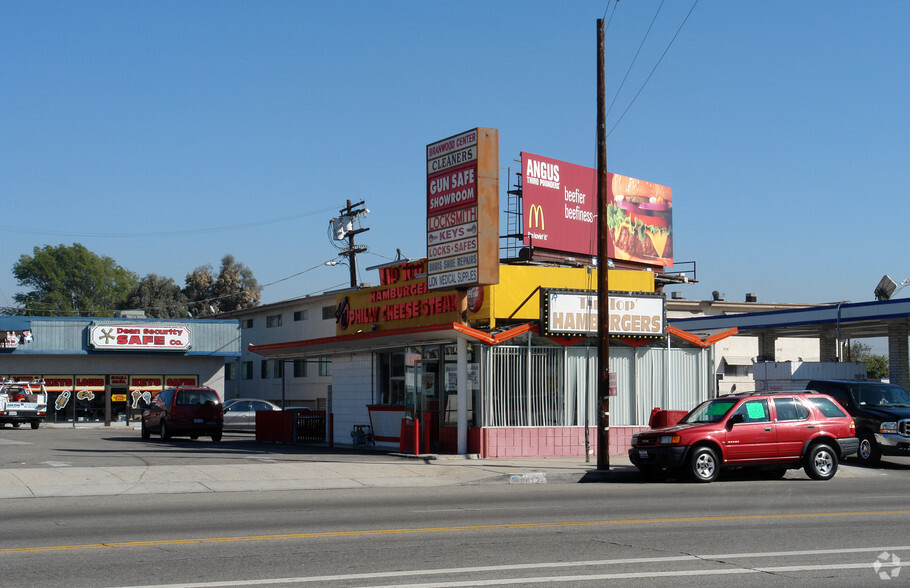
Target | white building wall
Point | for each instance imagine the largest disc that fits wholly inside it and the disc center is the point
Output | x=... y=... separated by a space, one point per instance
x=310 y=390
x=352 y=391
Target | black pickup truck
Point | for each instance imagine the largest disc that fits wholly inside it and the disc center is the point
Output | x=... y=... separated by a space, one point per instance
x=881 y=412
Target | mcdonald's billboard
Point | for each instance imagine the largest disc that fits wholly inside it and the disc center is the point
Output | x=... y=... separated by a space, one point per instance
x=559 y=208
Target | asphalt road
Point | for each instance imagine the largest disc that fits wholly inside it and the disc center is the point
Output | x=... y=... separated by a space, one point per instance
x=122 y=446
x=748 y=532
x=739 y=530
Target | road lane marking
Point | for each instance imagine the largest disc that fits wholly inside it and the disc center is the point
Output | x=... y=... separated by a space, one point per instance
x=548 y=579
x=502 y=526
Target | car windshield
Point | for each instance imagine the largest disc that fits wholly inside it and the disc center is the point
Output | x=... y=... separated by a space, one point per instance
x=711 y=411
x=893 y=396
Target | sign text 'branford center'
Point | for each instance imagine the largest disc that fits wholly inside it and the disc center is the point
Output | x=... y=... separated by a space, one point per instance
x=140 y=337
x=463 y=210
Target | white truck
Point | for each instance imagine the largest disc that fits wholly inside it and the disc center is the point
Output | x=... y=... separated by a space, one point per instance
x=22 y=401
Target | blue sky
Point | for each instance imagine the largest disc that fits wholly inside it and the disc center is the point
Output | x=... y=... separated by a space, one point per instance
x=168 y=134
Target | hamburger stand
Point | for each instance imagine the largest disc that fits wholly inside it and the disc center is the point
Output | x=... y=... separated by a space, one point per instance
x=459 y=353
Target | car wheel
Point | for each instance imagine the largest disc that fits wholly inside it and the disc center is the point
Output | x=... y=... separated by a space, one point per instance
x=703 y=465
x=35 y=424
x=868 y=452
x=821 y=462
x=653 y=473
x=17 y=425
x=194 y=437
x=216 y=437
x=165 y=432
x=146 y=434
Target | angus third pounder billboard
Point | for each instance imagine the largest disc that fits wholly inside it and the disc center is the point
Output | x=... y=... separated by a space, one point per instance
x=559 y=207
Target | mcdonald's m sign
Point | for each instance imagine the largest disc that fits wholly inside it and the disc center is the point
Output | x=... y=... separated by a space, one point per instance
x=536 y=218
x=536 y=226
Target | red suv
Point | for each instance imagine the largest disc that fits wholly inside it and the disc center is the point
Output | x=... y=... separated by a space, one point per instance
x=774 y=432
x=185 y=412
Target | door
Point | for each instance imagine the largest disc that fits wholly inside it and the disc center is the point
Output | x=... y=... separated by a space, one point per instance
x=428 y=398
x=792 y=423
x=238 y=415
x=754 y=437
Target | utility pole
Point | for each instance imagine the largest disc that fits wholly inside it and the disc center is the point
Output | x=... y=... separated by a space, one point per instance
x=344 y=229
x=603 y=287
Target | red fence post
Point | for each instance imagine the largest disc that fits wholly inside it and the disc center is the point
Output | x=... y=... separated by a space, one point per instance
x=332 y=430
x=416 y=436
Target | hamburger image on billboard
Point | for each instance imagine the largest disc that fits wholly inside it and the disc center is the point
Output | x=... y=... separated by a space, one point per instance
x=640 y=220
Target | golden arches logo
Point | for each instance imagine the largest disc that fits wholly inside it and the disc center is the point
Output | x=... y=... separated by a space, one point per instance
x=535 y=217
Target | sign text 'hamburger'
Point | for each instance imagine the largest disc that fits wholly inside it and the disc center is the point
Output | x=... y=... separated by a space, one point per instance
x=570 y=312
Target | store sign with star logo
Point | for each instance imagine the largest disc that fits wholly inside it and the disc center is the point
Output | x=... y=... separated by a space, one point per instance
x=139 y=337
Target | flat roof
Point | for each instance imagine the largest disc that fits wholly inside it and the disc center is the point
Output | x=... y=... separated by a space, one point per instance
x=855 y=320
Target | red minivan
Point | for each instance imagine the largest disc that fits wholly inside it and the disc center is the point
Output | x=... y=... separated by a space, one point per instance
x=184 y=412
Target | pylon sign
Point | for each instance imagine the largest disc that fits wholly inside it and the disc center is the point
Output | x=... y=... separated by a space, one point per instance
x=463 y=210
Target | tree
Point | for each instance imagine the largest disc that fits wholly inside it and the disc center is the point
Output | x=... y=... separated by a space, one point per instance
x=235 y=288
x=876 y=365
x=159 y=297
x=71 y=280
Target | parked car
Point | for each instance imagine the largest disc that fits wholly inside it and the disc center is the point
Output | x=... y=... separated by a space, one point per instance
x=240 y=413
x=184 y=412
x=773 y=432
x=882 y=414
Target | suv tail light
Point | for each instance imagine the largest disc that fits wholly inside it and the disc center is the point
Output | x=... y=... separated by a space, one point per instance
x=853 y=426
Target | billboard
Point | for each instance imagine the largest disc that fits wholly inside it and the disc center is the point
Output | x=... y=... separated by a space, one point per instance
x=463 y=210
x=559 y=208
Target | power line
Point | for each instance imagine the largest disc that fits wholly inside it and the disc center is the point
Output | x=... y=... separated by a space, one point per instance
x=33 y=230
x=631 y=65
x=653 y=69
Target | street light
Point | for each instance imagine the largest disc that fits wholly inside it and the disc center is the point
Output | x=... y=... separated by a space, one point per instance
x=887 y=288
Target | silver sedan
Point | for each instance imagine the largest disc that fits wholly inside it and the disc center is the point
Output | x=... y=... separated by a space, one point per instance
x=240 y=413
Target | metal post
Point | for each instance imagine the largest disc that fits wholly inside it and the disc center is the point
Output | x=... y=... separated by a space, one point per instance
x=603 y=289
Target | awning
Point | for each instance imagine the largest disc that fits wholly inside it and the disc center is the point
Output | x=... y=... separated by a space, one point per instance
x=738 y=360
x=373 y=340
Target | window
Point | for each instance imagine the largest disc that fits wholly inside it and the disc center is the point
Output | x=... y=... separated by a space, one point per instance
x=299 y=368
x=790 y=409
x=325 y=366
x=246 y=370
x=827 y=408
x=300 y=315
x=328 y=313
x=277 y=368
x=230 y=371
x=248 y=324
x=391 y=378
x=754 y=411
x=273 y=320
x=264 y=369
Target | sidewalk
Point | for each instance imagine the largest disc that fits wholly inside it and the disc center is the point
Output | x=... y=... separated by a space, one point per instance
x=365 y=471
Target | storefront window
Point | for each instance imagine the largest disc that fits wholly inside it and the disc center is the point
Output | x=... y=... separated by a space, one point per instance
x=391 y=378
